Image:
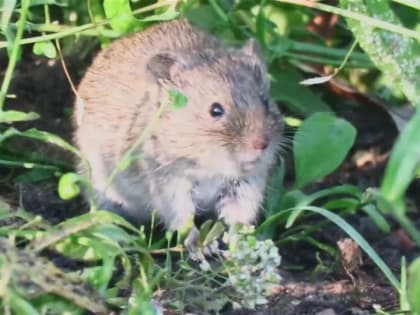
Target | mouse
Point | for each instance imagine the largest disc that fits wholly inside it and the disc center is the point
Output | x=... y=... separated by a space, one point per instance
x=214 y=154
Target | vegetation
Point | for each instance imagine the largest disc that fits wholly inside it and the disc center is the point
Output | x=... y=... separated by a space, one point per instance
x=374 y=45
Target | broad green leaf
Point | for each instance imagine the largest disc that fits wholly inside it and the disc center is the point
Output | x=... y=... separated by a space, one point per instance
x=120 y=16
x=413 y=291
x=11 y=116
x=46 y=49
x=394 y=54
x=300 y=99
x=320 y=145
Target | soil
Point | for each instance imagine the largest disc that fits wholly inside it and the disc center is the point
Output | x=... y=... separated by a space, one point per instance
x=313 y=283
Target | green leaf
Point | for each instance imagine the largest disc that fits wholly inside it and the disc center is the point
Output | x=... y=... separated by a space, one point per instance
x=394 y=54
x=40 y=135
x=413 y=291
x=302 y=200
x=120 y=16
x=178 y=99
x=45 y=48
x=205 y=17
x=61 y=3
x=275 y=190
x=6 y=13
x=34 y=175
x=403 y=163
x=377 y=218
x=298 y=98
x=140 y=301
x=67 y=186
x=20 y=305
x=11 y=116
x=320 y=145
x=400 y=171
x=215 y=232
x=204 y=230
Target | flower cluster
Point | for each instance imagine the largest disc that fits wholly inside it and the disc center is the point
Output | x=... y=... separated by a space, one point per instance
x=252 y=268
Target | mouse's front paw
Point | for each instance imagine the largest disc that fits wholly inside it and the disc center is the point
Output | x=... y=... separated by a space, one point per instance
x=234 y=210
x=206 y=241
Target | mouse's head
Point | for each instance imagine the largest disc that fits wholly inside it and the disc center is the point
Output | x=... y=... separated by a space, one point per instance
x=229 y=126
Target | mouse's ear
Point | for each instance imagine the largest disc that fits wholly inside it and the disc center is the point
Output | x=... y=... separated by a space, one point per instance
x=164 y=64
x=252 y=49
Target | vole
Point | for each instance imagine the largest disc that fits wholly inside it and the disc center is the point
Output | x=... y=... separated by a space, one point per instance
x=213 y=154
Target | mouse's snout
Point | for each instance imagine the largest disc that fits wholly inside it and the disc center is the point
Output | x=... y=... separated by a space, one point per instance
x=260 y=143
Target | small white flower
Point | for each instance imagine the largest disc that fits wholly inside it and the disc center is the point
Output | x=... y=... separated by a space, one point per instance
x=204 y=265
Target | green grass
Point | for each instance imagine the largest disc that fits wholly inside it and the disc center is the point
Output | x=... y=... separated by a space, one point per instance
x=115 y=264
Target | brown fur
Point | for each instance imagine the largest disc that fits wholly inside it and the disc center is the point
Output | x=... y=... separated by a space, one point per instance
x=192 y=161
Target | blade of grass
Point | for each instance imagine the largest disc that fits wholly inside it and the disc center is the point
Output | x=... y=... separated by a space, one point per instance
x=349 y=230
x=14 y=52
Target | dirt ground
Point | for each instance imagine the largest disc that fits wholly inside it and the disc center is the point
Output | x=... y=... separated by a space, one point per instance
x=349 y=284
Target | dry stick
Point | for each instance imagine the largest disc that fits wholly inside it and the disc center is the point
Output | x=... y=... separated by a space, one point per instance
x=65 y=69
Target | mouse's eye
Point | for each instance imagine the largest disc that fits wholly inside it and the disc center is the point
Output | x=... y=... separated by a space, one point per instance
x=217 y=110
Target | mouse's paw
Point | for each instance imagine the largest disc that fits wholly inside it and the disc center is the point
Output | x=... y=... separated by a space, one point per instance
x=206 y=241
x=191 y=243
x=234 y=210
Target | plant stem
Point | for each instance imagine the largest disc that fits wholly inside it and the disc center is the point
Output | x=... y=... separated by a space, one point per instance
x=14 y=53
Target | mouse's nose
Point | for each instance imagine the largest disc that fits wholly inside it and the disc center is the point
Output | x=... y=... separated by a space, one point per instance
x=260 y=143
